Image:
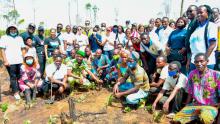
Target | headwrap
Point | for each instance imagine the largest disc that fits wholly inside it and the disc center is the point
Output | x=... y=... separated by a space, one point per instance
x=81 y=53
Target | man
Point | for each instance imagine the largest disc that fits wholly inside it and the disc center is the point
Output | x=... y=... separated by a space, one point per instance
x=78 y=70
x=74 y=30
x=203 y=88
x=87 y=29
x=56 y=75
x=39 y=45
x=51 y=59
x=160 y=75
x=173 y=90
x=139 y=87
x=29 y=33
x=59 y=35
x=127 y=24
x=164 y=33
x=103 y=29
x=191 y=14
x=69 y=40
x=158 y=25
x=81 y=39
x=100 y=63
x=95 y=40
x=149 y=51
x=71 y=57
x=88 y=57
x=13 y=50
x=216 y=16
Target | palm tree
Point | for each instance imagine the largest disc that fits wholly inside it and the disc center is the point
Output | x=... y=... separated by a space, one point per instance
x=88 y=7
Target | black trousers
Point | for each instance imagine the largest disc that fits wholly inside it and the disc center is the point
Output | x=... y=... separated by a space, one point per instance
x=42 y=62
x=14 y=74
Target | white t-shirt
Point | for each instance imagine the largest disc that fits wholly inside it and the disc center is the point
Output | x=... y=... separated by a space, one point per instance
x=164 y=35
x=59 y=74
x=164 y=72
x=197 y=41
x=69 y=38
x=82 y=40
x=12 y=48
x=120 y=38
x=32 y=51
x=110 y=39
x=170 y=83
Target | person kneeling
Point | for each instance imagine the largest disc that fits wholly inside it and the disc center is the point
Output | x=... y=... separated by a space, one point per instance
x=139 y=87
x=56 y=75
x=78 y=72
x=173 y=90
x=203 y=88
x=30 y=78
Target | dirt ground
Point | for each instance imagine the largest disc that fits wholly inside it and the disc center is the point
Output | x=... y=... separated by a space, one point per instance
x=92 y=104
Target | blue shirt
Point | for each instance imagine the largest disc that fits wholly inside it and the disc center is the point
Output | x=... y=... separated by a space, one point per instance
x=93 y=43
x=177 y=39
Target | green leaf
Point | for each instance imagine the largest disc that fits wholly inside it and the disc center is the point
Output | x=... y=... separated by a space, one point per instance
x=4 y=107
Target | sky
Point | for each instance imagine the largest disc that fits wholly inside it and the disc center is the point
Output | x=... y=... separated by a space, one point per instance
x=52 y=12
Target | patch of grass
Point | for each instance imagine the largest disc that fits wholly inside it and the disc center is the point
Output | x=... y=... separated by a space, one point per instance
x=27 y=122
x=4 y=107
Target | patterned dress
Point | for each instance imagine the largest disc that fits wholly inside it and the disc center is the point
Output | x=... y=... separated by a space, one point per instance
x=205 y=92
x=29 y=75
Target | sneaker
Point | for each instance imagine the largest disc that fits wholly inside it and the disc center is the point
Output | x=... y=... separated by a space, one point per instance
x=171 y=115
x=17 y=96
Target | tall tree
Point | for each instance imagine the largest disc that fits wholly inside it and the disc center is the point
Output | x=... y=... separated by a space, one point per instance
x=88 y=7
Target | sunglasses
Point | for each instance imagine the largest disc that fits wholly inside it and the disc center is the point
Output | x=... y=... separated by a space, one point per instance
x=190 y=11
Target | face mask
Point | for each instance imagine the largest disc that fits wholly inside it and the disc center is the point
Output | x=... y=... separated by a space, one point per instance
x=102 y=28
x=172 y=73
x=13 y=34
x=115 y=30
x=116 y=57
x=132 y=65
x=29 y=61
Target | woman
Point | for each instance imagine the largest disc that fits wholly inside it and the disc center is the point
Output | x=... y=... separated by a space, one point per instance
x=176 y=50
x=120 y=34
x=30 y=79
x=204 y=38
x=13 y=50
x=127 y=39
x=52 y=43
x=122 y=69
x=108 y=43
x=30 y=49
x=141 y=29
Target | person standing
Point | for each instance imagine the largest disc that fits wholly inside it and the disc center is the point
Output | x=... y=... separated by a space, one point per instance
x=204 y=37
x=52 y=43
x=40 y=49
x=13 y=50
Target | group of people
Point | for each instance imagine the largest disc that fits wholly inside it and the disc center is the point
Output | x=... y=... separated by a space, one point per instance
x=175 y=63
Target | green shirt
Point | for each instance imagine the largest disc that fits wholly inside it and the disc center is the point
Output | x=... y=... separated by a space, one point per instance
x=76 y=68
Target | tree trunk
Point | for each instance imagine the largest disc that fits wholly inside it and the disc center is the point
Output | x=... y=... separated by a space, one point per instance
x=181 y=9
x=72 y=109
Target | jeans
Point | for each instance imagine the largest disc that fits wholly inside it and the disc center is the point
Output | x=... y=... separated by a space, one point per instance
x=109 y=54
x=14 y=74
x=42 y=62
x=135 y=97
x=192 y=67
